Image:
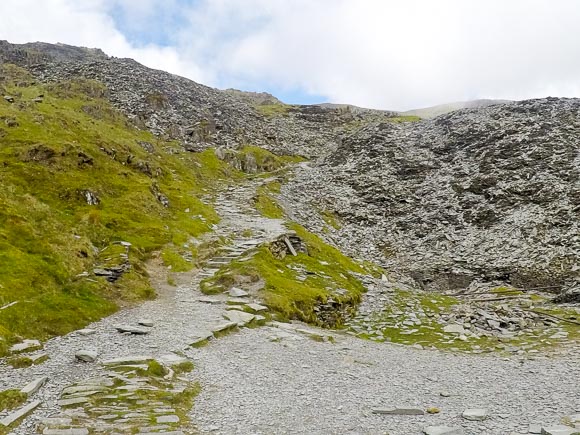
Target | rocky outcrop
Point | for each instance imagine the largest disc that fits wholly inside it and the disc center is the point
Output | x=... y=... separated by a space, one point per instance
x=491 y=194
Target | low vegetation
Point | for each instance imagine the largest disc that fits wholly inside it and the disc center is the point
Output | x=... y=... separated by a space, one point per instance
x=296 y=287
x=76 y=179
x=273 y=110
x=10 y=399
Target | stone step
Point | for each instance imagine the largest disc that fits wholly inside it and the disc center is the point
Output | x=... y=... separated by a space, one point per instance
x=19 y=413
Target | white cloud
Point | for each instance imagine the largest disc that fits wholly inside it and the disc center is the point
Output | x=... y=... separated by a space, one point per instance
x=372 y=53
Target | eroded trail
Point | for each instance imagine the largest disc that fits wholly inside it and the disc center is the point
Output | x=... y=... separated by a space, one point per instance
x=277 y=378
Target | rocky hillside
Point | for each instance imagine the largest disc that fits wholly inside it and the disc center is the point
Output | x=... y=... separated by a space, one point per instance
x=482 y=195
x=442 y=109
x=199 y=117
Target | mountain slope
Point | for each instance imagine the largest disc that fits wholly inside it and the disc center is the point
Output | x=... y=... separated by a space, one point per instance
x=442 y=109
x=490 y=194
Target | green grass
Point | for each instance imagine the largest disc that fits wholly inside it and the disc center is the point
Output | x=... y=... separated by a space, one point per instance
x=10 y=399
x=295 y=286
x=55 y=152
x=273 y=110
x=404 y=118
x=175 y=260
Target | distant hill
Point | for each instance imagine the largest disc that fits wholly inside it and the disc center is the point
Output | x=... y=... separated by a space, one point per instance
x=442 y=109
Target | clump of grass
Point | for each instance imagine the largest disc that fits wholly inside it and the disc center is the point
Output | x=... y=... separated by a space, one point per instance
x=10 y=399
x=19 y=362
x=184 y=367
x=156 y=369
x=331 y=219
x=173 y=259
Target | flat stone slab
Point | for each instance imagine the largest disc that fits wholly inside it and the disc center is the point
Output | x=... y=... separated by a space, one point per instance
x=146 y=322
x=224 y=327
x=168 y=419
x=559 y=430
x=443 y=430
x=241 y=318
x=82 y=388
x=26 y=345
x=237 y=292
x=208 y=300
x=257 y=308
x=124 y=360
x=175 y=432
x=200 y=338
x=398 y=411
x=34 y=386
x=475 y=414
x=72 y=401
x=69 y=431
x=137 y=330
x=57 y=421
x=19 y=413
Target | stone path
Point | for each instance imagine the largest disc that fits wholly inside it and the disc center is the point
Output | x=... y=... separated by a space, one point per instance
x=278 y=378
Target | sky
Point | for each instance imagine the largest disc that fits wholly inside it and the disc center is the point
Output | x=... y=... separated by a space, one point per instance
x=383 y=54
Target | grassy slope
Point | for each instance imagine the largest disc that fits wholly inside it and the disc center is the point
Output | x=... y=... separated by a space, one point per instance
x=50 y=153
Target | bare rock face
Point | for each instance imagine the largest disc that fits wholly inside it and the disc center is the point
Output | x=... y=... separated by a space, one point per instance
x=489 y=194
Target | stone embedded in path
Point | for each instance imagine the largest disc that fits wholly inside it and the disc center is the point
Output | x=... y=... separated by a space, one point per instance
x=26 y=345
x=72 y=401
x=137 y=330
x=175 y=432
x=241 y=318
x=200 y=338
x=208 y=300
x=19 y=413
x=86 y=331
x=86 y=355
x=223 y=327
x=237 y=292
x=34 y=386
x=146 y=322
x=443 y=430
x=475 y=414
x=168 y=419
x=57 y=421
x=398 y=411
x=559 y=430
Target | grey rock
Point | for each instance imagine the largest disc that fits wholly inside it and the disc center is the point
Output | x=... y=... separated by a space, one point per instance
x=69 y=431
x=559 y=430
x=454 y=329
x=475 y=414
x=25 y=346
x=241 y=318
x=34 y=386
x=443 y=430
x=136 y=330
x=237 y=292
x=86 y=355
x=167 y=419
x=19 y=413
x=146 y=322
x=86 y=331
x=125 y=360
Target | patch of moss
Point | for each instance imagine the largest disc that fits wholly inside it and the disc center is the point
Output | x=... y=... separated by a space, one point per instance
x=10 y=399
x=156 y=369
x=184 y=367
x=266 y=205
x=19 y=362
x=331 y=219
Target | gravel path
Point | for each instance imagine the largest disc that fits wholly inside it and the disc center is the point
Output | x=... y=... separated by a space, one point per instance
x=275 y=380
